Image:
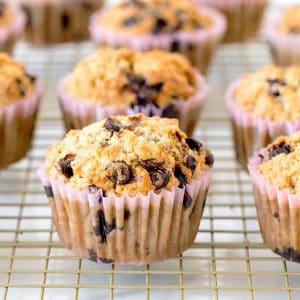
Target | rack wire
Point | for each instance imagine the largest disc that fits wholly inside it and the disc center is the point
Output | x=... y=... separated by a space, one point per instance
x=228 y=259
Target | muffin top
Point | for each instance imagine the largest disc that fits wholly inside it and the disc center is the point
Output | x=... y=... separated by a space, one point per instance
x=6 y=14
x=122 y=77
x=15 y=83
x=281 y=165
x=272 y=93
x=290 y=20
x=155 y=17
x=128 y=154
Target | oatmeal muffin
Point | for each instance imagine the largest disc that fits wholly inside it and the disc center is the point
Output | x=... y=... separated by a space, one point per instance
x=276 y=182
x=243 y=17
x=124 y=82
x=283 y=35
x=20 y=93
x=263 y=105
x=12 y=24
x=58 y=21
x=178 y=26
x=128 y=189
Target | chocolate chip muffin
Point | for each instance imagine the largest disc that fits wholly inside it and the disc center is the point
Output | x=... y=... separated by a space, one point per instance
x=12 y=24
x=52 y=21
x=19 y=98
x=179 y=26
x=276 y=182
x=122 y=81
x=113 y=175
x=262 y=106
x=283 y=35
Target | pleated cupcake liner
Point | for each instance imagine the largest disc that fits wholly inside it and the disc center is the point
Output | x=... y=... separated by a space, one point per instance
x=284 y=47
x=198 y=46
x=251 y=132
x=244 y=17
x=17 y=122
x=79 y=113
x=278 y=213
x=139 y=230
x=52 y=22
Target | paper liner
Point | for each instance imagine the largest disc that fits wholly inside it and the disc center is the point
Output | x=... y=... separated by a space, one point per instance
x=284 y=47
x=17 y=122
x=243 y=17
x=51 y=22
x=278 y=213
x=252 y=132
x=198 y=46
x=139 y=230
x=80 y=113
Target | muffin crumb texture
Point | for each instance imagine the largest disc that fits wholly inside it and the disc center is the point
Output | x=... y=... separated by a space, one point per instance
x=272 y=93
x=281 y=164
x=154 y=17
x=122 y=77
x=15 y=83
x=290 y=20
x=131 y=155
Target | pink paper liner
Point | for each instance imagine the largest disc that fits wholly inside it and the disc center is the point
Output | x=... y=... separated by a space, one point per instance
x=250 y=131
x=147 y=228
x=198 y=45
x=79 y=113
x=17 y=122
x=278 y=212
x=285 y=47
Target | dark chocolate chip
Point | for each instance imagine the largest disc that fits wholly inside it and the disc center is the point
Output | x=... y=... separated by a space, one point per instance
x=159 y=176
x=136 y=82
x=48 y=191
x=187 y=200
x=65 y=20
x=21 y=87
x=32 y=78
x=159 y=26
x=178 y=136
x=149 y=93
x=149 y=164
x=112 y=125
x=279 y=149
x=274 y=84
x=93 y=255
x=209 y=159
x=191 y=163
x=106 y=260
x=276 y=215
x=175 y=46
x=180 y=176
x=119 y=172
x=170 y=111
x=261 y=157
x=103 y=228
x=289 y=253
x=193 y=144
x=126 y=214
x=131 y=21
x=64 y=165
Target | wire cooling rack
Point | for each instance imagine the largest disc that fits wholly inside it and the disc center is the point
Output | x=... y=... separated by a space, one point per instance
x=228 y=259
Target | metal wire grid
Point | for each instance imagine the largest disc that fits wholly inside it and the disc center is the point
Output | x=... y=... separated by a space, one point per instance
x=228 y=259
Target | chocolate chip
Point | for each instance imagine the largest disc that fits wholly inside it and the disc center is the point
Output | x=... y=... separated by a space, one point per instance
x=276 y=215
x=289 y=253
x=149 y=164
x=193 y=144
x=170 y=111
x=64 y=165
x=93 y=255
x=32 y=78
x=103 y=228
x=191 y=163
x=131 y=21
x=106 y=260
x=21 y=87
x=149 y=93
x=159 y=26
x=274 y=84
x=48 y=191
x=187 y=200
x=279 y=149
x=178 y=136
x=65 y=20
x=175 y=46
x=126 y=214
x=209 y=159
x=159 y=176
x=136 y=82
x=119 y=172
x=112 y=125
x=180 y=176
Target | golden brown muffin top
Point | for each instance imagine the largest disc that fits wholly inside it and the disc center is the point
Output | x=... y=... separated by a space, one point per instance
x=6 y=14
x=282 y=163
x=134 y=154
x=155 y=17
x=122 y=77
x=272 y=92
x=15 y=83
x=290 y=20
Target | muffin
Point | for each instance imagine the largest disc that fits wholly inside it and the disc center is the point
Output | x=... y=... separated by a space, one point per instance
x=177 y=26
x=262 y=106
x=52 y=21
x=20 y=94
x=127 y=189
x=12 y=24
x=122 y=81
x=243 y=17
x=283 y=36
x=276 y=183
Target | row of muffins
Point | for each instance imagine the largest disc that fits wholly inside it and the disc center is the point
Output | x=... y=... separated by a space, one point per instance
x=182 y=26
